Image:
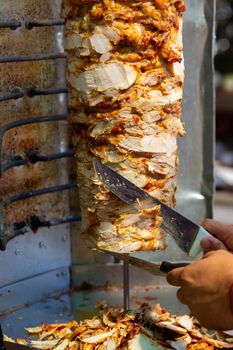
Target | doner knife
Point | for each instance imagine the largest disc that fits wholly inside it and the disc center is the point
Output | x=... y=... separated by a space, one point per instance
x=186 y=233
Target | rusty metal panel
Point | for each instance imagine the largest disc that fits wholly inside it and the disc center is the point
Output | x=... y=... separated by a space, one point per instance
x=31 y=57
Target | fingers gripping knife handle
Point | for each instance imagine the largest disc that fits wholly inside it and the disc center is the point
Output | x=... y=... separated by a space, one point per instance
x=167 y=266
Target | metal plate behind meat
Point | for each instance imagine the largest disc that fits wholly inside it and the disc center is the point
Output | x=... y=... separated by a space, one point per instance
x=196 y=150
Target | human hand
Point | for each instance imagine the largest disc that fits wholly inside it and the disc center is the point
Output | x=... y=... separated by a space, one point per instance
x=206 y=288
x=222 y=236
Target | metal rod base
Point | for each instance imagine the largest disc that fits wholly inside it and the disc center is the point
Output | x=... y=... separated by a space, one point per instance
x=126 y=286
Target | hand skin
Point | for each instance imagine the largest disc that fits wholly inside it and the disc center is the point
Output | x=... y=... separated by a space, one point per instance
x=223 y=236
x=204 y=288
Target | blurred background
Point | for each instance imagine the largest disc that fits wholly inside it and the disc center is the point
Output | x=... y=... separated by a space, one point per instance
x=224 y=112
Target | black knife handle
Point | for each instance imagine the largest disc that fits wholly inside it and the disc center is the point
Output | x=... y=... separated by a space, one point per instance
x=168 y=266
x=2 y=345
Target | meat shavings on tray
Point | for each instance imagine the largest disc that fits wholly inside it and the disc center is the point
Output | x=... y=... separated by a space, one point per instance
x=143 y=329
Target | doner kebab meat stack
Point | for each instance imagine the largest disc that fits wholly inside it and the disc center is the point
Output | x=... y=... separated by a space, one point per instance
x=125 y=78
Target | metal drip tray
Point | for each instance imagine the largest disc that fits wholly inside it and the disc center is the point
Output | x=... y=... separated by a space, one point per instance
x=82 y=304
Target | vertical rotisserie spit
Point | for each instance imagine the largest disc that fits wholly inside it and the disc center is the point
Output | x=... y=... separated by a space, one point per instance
x=125 y=75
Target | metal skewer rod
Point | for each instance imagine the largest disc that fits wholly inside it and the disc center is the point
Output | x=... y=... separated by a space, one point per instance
x=126 y=285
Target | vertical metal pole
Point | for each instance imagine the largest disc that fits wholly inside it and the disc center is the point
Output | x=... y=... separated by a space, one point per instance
x=126 y=285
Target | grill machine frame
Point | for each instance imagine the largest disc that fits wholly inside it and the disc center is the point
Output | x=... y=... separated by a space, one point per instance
x=38 y=287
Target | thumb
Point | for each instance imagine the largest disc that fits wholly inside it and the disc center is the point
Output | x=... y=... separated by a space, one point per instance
x=210 y=243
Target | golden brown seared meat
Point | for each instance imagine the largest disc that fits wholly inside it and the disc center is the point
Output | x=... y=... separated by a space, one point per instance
x=125 y=76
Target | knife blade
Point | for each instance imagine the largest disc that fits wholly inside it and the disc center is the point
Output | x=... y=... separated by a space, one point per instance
x=156 y=269
x=186 y=233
